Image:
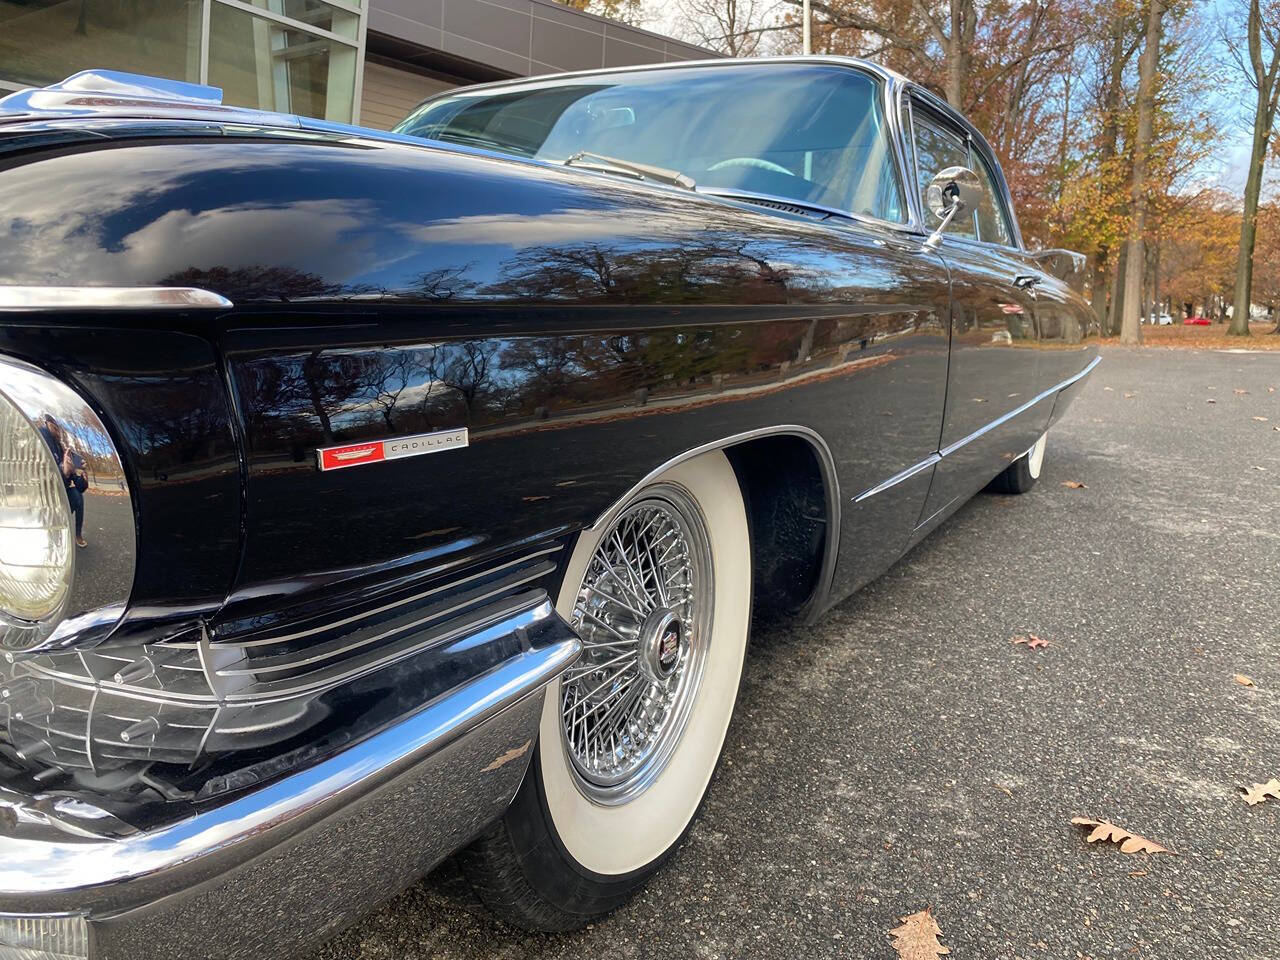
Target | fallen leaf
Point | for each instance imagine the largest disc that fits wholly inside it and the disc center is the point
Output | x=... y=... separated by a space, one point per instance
x=917 y=938
x=1032 y=641
x=1073 y=484
x=1261 y=419
x=1137 y=873
x=1129 y=395
x=1271 y=389
x=1005 y=790
x=534 y=499
x=1244 y=681
x=1109 y=389
x=1129 y=842
x=1256 y=467
x=1241 y=393
x=1260 y=791
x=1211 y=400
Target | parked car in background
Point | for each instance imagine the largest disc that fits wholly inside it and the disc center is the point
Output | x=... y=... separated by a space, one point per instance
x=1158 y=319
x=432 y=479
x=1198 y=320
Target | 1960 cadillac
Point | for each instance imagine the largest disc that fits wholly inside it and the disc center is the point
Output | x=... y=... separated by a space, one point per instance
x=367 y=498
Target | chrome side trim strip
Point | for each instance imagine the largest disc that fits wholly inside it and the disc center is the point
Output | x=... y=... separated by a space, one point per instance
x=898 y=478
x=329 y=625
x=43 y=865
x=110 y=298
x=1043 y=395
x=948 y=450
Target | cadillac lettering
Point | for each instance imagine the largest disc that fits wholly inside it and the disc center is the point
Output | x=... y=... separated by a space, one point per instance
x=698 y=343
x=334 y=458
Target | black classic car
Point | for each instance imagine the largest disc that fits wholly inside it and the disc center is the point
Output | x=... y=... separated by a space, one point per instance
x=369 y=498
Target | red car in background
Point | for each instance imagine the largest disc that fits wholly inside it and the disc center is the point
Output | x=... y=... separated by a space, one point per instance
x=1197 y=321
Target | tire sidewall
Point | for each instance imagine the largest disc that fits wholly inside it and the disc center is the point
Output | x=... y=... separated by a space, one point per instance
x=621 y=842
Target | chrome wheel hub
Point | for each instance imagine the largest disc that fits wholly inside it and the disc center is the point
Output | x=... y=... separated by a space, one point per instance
x=643 y=612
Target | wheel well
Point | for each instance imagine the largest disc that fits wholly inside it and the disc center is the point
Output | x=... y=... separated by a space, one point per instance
x=785 y=490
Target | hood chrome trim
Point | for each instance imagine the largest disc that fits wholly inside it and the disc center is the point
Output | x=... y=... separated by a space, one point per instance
x=110 y=298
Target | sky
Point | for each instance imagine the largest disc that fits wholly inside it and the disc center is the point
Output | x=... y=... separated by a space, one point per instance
x=1225 y=171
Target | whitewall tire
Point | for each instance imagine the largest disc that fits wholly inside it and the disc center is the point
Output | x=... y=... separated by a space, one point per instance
x=1021 y=475
x=660 y=591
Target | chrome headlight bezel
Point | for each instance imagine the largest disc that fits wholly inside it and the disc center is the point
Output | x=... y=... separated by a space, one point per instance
x=99 y=591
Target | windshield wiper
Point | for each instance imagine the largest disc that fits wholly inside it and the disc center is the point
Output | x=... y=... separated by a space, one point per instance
x=628 y=168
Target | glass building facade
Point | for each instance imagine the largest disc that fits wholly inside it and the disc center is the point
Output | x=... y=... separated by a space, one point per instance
x=292 y=56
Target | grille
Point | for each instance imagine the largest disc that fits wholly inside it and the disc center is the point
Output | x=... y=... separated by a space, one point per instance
x=191 y=698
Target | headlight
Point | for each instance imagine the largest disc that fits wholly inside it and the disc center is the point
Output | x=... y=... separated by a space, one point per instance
x=35 y=522
x=59 y=472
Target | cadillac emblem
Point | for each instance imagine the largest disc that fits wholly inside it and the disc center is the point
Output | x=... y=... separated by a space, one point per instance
x=373 y=451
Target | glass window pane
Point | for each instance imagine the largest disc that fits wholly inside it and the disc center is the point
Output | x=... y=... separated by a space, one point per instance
x=814 y=134
x=43 y=41
x=259 y=63
x=937 y=149
x=314 y=13
x=992 y=225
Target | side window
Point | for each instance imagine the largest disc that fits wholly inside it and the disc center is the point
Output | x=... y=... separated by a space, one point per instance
x=936 y=149
x=992 y=223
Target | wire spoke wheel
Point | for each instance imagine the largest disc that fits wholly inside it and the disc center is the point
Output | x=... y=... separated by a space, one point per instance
x=643 y=613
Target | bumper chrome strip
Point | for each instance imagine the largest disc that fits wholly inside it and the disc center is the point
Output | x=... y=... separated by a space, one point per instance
x=46 y=869
x=111 y=298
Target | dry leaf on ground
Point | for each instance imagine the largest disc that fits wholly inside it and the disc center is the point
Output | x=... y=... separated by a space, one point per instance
x=1073 y=484
x=917 y=938
x=1244 y=681
x=1129 y=842
x=1211 y=400
x=1240 y=393
x=1031 y=640
x=1260 y=791
x=1261 y=419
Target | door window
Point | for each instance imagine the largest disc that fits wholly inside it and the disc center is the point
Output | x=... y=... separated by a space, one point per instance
x=993 y=226
x=936 y=149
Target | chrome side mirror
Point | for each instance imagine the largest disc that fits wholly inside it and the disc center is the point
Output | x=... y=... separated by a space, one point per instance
x=951 y=192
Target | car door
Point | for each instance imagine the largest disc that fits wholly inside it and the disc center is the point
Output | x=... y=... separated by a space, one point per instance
x=990 y=417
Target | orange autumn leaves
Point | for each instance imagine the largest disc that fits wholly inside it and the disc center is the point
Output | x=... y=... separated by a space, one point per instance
x=917 y=937
x=1104 y=830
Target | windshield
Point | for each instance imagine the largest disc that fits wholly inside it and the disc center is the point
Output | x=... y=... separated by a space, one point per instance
x=814 y=134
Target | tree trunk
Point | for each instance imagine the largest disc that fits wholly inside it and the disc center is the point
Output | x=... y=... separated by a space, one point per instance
x=1130 y=327
x=1266 y=79
x=1117 y=293
x=1249 y=222
x=1157 y=306
x=1099 y=288
x=1105 y=289
x=956 y=50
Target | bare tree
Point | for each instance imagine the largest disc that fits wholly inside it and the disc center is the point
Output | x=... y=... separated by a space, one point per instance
x=1260 y=61
x=1135 y=258
x=733 y=27
x=624 y=11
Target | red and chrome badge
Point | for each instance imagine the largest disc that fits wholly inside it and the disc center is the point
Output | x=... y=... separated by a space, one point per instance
x=374 y=451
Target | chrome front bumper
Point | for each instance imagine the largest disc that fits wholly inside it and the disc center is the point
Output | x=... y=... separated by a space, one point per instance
x=279 y=869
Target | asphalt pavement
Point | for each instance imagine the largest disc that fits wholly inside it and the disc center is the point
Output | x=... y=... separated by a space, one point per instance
x=904 y=753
